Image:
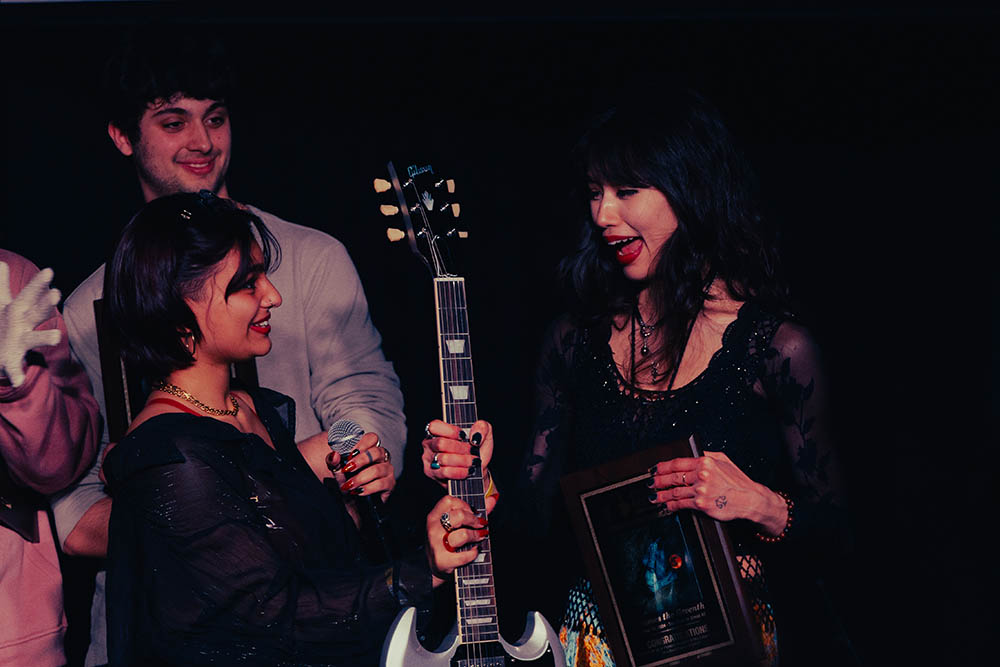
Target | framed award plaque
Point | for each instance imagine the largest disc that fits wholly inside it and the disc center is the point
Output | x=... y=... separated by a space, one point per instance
x=666 y=583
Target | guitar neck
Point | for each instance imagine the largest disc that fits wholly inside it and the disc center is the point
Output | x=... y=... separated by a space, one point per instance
x=476 y=600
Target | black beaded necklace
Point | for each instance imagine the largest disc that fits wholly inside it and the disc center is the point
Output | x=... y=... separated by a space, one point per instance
x=646 y=332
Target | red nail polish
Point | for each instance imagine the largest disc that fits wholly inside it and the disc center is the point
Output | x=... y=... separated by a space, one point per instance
x=347 y=486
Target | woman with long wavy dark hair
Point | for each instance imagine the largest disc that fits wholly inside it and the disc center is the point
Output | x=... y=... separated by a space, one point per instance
x=678 y=324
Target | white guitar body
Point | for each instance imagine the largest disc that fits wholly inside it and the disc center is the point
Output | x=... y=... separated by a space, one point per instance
x=402 y=648
x=475 y=639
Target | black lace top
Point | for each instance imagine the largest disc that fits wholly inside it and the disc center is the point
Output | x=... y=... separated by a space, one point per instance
x=761 y=400
x=225 y=551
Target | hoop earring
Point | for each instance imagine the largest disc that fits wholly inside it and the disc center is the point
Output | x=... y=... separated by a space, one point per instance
x=187 y=340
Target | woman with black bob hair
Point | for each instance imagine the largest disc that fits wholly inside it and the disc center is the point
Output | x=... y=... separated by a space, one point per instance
x=226 y=544
x=678 y=325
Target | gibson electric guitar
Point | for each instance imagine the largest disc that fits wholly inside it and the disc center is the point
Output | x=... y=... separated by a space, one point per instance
x=475 y=641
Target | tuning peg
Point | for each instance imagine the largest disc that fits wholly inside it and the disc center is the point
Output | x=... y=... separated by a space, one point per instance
x=382 y=185
x=394 y=234
x=449 y=183
x=454 y=206
x=388 y=209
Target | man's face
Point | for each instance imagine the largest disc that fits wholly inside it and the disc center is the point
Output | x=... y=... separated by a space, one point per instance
x=183 y=146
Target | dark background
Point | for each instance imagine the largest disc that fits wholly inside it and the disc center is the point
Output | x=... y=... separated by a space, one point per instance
x=873 y=132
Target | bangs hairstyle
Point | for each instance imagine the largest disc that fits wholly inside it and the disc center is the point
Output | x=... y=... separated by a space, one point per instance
x=676 y=142
x=166 y=254
x=679 y=145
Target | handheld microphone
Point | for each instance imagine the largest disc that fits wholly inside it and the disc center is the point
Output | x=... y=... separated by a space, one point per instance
x=342 y=437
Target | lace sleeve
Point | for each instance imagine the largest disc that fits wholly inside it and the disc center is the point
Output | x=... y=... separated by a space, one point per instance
x=551 y=433
x=795 y=385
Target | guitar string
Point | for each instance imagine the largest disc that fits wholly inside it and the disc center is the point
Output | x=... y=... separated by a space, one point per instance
x=452 y=415
x=463 y=419
x=460 y=368
x=463 y=414
x=466 y=420
x=471 y=592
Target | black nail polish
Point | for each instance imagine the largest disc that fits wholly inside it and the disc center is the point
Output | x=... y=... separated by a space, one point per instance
x=477 y=438
x=354 y=453
x=463 y=436
x=652 y=470
x=650 y=483
x=652 y=497
x=473 y=469
x=476 y=461
x=474 y=450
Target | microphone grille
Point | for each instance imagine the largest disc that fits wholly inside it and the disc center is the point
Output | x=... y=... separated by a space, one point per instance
x=343 y=435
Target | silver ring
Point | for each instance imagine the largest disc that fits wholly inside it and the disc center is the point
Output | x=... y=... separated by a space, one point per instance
x=386 y=456
x=684 y=480
x=427 y=431
x=446 y=523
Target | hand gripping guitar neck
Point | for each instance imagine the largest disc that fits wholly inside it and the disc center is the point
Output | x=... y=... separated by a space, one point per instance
x=475 y=639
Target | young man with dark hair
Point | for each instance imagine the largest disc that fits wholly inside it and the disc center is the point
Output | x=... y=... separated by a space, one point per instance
x=168 y=110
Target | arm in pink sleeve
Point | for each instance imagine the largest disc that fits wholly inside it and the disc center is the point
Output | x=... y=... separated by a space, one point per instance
x=48 y=425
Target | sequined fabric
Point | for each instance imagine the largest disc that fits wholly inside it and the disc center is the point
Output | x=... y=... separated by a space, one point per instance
x=581 y=632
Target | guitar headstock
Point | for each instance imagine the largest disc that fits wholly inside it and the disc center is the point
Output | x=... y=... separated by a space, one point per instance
x=429 y=211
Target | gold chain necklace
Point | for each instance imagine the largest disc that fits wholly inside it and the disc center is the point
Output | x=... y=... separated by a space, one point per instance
x=180 y=393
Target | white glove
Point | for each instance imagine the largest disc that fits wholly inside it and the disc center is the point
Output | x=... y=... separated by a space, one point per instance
x=20 y=316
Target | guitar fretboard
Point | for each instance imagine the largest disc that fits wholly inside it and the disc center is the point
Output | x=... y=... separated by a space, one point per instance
x=477 y=609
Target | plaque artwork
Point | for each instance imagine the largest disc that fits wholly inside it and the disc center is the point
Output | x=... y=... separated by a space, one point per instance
x=666 y=583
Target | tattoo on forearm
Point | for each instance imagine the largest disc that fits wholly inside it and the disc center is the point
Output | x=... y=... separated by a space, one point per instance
x=720 y=502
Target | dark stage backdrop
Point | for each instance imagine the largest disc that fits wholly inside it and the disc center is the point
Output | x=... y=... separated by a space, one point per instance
x=873 y=132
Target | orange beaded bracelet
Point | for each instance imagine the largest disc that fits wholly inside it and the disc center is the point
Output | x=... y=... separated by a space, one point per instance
x=788 y=522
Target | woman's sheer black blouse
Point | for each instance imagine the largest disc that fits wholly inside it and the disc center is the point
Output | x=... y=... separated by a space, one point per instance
x=762 y=401
x=224 y=551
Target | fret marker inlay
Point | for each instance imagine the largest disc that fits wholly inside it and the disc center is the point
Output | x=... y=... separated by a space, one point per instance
x=459 y=392
x=455 y=346
x=476 y=582
x=479 y=621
